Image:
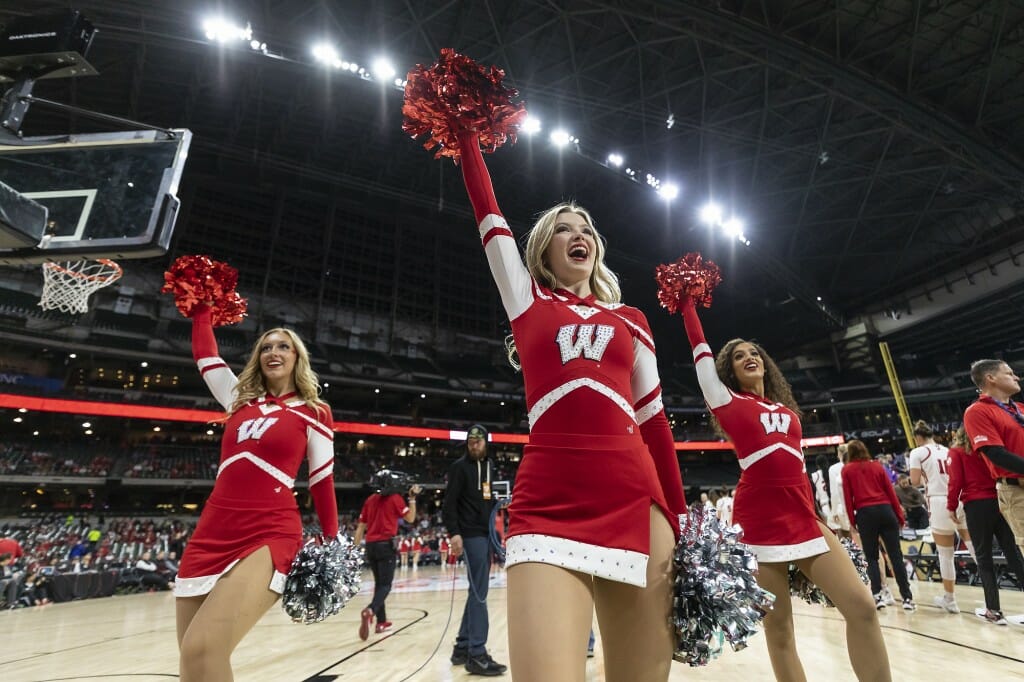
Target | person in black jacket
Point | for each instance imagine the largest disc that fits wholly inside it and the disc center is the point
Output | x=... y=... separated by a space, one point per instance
x=468 y=502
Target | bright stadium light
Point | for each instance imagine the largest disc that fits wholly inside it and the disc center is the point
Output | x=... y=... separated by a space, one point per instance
x=560 y=138
x=668 y=191
x=530 y=125
x=615 y=160
x=733 y=227
x=711 y=213
x=326 y=53
x=221 y=30
x=382 y=69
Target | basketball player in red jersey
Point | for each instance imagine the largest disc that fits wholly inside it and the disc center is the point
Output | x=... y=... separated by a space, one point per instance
x=235 y=564
x=596 y=500
x=754 y=406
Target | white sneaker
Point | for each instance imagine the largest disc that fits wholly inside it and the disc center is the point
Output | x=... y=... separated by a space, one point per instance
x=947 y=602
x=887 y=596
x=879 y=601
x=909 y=605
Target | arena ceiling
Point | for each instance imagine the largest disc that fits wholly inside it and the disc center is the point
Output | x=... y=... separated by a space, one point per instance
x=874 y=150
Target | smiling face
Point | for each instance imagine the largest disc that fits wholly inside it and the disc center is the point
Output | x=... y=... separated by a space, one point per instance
x=747 y=366
x=277 y=362
x=572 y=251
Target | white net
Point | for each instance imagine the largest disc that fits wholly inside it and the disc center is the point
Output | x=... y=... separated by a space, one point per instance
x=67 y=286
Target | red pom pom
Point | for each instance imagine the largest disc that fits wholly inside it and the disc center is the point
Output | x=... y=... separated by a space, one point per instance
x=198 y=280
x=457 y=94
x=689 y=277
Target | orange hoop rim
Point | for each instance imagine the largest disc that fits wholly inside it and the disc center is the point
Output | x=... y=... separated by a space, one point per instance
x=108 y=277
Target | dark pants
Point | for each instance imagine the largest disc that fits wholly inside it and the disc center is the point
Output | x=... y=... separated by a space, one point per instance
x=879 y=522
x=381 y=557
x=917 y=518
x=473 y=631
x=985 y=522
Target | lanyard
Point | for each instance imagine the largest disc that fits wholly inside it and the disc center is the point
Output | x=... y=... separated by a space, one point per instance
x=1011 y=409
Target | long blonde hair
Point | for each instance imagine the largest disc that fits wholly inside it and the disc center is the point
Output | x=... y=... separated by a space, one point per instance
x=604 y=283
x=250 y=380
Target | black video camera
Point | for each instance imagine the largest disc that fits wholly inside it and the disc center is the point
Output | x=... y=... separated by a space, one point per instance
x=390 y=482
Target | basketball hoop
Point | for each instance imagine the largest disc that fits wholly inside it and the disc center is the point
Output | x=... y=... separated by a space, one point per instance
x=67 y=286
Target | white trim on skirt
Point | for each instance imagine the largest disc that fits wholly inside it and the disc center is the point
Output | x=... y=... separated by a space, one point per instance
x=620 y=565
x=202 y=584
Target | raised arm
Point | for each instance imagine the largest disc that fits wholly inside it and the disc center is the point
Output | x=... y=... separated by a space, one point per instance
x=650 y=415
x=320 y=458
x=215 y=372
x=715 y=392
x=514 y=282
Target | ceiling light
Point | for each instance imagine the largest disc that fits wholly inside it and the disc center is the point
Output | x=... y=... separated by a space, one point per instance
x=733 y=227
x=711 y=213
x=615 y=160
x=669 y=192
x=530 y=125
x=326 y=54
x=382 y=69
x=222 y=30
x=560 y=138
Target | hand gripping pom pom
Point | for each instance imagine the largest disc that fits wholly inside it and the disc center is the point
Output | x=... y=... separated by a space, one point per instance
x=715 y=596
x=322 y=579
x=802 y=588
x=454 y=95
x=690 y=276
x=197 y=280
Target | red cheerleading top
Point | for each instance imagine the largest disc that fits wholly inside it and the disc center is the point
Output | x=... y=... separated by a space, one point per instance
x=773 y=503
x=266 y=439
x=866 y=484
x=381 y=513
x=601 y=452
x=987 y=422
x=969 y=478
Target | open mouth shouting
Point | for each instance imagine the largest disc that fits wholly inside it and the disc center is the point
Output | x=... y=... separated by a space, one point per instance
x=579 y=253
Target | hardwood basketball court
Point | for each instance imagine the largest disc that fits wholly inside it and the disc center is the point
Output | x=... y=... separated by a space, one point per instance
x=132 y=638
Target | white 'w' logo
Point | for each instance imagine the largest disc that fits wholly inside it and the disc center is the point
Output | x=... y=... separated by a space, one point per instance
x=585 y=343
x=254 y=428
x=775 y=422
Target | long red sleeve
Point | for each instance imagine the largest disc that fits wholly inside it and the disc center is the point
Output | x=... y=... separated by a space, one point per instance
x=866 y=484
x=657 y=434
x=476 y=177
x=321 y=486
x=204 y=344
x=694 y=330
x=955 y=470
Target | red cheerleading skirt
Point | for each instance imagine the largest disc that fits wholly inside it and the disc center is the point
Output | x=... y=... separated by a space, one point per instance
x=778 y=518
x=596 y=490
x=229 y=530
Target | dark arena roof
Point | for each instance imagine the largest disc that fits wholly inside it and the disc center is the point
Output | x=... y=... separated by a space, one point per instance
x=874 y=152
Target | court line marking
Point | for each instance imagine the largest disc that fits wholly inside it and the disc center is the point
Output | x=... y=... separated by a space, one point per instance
x=371 y=645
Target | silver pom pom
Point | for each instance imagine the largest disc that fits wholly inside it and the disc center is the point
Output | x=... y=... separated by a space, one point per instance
x=716 y=597
x=322 y=579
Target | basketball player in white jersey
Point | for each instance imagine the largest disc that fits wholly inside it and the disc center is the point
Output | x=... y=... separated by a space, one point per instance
x=929 y=462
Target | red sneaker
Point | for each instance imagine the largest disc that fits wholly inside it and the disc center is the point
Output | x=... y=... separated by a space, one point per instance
x=382 y=627
x=366 y=617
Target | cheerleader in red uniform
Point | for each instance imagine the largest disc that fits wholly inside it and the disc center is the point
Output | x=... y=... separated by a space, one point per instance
x=404 y=545
x=754 y=406
x=234 y=566
x=415 y=550
x=443 y=547
x=596 y=498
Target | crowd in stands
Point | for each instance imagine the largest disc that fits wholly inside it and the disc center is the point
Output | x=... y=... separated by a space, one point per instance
x=139 y=554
